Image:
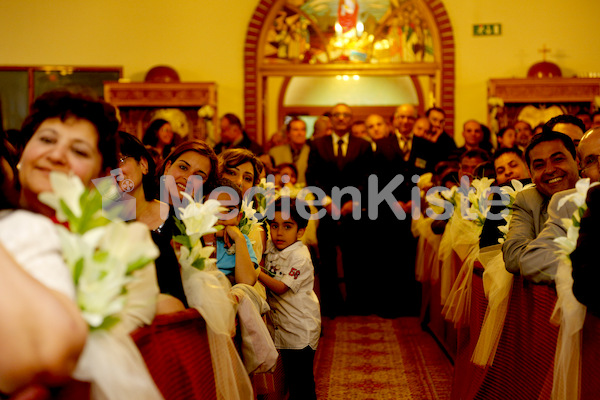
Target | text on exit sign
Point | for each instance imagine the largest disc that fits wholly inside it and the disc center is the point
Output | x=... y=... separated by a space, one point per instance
x=487 y=30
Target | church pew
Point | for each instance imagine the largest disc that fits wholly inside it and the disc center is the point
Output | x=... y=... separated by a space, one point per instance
x=176 y=351
x=524 y=361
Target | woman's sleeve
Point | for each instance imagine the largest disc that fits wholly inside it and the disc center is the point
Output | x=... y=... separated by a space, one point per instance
x=33 y=240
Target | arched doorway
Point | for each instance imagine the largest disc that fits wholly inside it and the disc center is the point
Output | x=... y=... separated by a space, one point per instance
x=330 y=38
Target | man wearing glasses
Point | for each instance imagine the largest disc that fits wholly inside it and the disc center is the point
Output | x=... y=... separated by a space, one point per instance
x=539 y=261
x=340 y=161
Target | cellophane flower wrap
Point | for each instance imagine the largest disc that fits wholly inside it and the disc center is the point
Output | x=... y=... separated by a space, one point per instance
x=437 y=202
x=103 y=254
x=207 y=290
x=497 y=284
x=465 y=229
x=568 y=312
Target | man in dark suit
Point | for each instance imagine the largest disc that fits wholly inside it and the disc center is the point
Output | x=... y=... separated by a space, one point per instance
x=340 y=161
x=402 y=153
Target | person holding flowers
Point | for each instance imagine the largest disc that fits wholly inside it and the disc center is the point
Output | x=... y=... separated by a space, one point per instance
x=243 y=168
x=71 y=144
x=190 y=167
x=43 y=332
x=235 y=255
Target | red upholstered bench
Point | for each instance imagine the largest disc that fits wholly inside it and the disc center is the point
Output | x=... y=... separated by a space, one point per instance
x=524 y=361
x=175 y=348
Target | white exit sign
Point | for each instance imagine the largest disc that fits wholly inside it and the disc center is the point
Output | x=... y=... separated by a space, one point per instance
x=487 y=30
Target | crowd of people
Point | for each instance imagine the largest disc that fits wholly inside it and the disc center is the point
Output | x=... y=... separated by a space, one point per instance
x=363 y=175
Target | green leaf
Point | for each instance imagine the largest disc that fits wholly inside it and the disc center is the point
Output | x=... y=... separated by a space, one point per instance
x=180 y=225
x=71 y=218
x=141 y=263
x=183 y=240
x=198 y=263
x=78 y=270
x=101 y=256
x=108 y=323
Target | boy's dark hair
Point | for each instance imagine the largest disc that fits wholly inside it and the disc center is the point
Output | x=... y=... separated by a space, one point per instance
x=224 y=185
x=281 y=203
x=548 y=136
x=64 y=104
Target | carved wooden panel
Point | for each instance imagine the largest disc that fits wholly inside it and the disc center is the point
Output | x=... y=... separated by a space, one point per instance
x=508 y=97
x=140 y=102
x=545 y=90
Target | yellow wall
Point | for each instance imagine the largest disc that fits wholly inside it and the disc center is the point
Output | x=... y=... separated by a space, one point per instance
x=204 y=40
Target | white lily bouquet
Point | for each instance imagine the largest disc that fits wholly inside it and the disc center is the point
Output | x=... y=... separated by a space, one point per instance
x=248 y=222
x=568 y=243
x=479 y=200
x=207 y=290
x=104 y=254
x=197 y=220
x=265 y=197
x=511 y=191
x=464 y=230
x=568 y=312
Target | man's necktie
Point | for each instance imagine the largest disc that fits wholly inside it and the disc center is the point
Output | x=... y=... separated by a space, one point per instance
x=404 y=147
x=340 y=154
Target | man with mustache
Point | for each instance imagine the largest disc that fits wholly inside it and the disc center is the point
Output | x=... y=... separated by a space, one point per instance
x=551 y=160
x=539 y=261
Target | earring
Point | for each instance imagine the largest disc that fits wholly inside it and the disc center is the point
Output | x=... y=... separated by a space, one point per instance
x=18 y=166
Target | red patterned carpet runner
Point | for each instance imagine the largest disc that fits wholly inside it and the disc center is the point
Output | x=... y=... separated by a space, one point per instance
x=374 y=358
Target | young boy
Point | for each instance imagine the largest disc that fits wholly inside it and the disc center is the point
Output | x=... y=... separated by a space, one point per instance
x=239 y=262
x=295 y=318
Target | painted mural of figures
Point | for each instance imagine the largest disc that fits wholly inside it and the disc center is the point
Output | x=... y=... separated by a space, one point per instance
x=395 y=40
x=428 y=41
x=347 y=14
x=299 y=39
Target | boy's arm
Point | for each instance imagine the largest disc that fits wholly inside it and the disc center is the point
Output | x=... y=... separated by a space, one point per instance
x=273 y=284
x=244 y=267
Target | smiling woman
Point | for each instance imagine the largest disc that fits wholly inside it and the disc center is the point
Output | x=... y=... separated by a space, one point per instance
x=66 y=132
x=189 y=159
